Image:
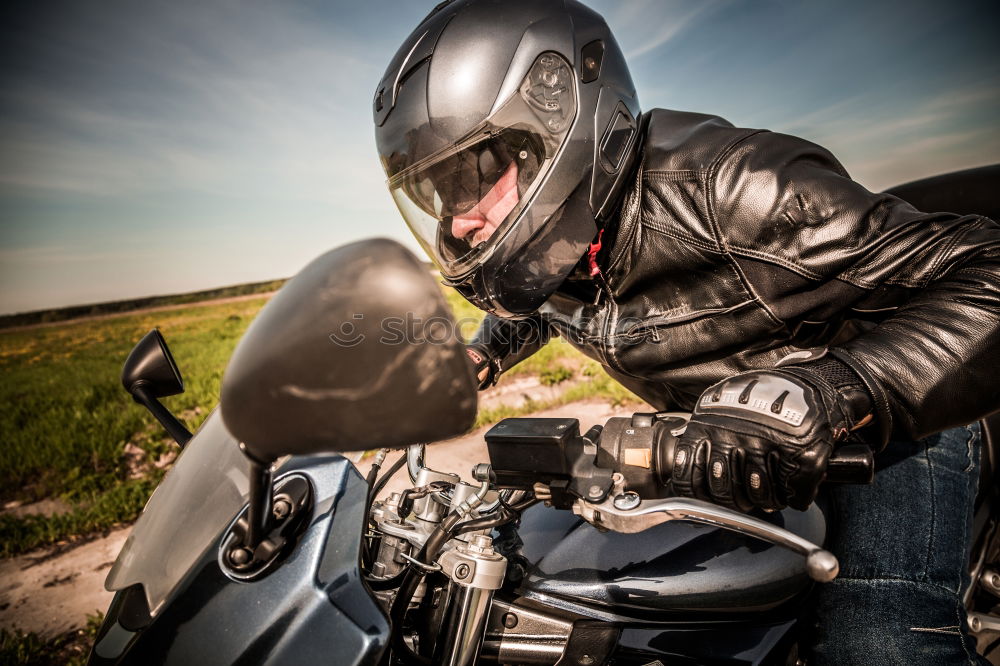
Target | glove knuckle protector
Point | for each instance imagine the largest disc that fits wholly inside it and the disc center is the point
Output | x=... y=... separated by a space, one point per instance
x=771 y=434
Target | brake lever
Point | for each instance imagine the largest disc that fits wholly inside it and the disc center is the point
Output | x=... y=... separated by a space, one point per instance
x=628 y=514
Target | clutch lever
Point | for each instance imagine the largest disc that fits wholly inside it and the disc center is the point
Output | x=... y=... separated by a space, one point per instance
x=627 y=513
x=624 y=511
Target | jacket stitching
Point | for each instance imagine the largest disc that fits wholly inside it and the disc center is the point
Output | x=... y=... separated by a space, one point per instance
x=936 y=270
x=710 y=184
x=939 y=261
x=608 y=343
x=936 y=265
x=860 y=283
x=977 y=271
x=753 y=292
x=634 y=203
x=756 y=254
x=683 y=238
x=905 y=282
x=676 y=175
x=946 y=254
x=854 y=272
x=717 y=230
x=667 y=321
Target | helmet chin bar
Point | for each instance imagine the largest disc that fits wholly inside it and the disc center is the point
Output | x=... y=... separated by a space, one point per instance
x=519 y=276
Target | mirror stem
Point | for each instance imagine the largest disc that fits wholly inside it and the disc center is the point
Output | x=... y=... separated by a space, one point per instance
x=259 y=511
x=170 y=422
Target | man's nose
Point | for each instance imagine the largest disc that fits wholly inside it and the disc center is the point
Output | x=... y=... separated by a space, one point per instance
x=463 y=225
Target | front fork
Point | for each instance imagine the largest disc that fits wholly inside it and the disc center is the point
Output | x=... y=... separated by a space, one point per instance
x=475 y=572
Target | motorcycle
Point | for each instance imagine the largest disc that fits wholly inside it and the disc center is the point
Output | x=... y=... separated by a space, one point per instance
x=265 y=544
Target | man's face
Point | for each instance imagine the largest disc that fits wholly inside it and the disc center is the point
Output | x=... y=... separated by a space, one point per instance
x=476 y=225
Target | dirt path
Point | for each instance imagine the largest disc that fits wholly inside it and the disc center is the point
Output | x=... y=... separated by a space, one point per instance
x=50 y=593
x=53 y=594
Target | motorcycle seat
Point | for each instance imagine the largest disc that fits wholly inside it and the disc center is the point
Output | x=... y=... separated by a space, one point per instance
x=990 y=428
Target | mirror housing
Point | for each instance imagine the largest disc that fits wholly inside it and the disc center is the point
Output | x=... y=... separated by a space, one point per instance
x=358 y=351
x=150 y=373
x=150 y=364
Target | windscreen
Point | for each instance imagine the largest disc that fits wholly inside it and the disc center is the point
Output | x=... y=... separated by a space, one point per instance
x=195 y=502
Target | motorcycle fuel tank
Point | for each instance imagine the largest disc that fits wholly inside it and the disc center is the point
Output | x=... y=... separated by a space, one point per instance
x=675 y=567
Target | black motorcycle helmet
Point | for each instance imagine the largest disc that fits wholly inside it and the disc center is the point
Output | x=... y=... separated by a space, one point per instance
x=506 y=129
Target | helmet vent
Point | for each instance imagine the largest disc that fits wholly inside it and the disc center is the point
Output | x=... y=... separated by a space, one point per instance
x=438 y=7
x=617 y=138
x=548 y=89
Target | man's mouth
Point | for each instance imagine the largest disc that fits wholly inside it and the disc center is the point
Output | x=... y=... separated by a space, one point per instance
x=481 y=236
x=477 y=225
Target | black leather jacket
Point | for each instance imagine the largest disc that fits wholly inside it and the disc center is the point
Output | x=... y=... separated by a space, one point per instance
x=736 y=247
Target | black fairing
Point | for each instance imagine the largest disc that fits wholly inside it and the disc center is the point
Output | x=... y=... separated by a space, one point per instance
x=672 y=570
x=968 y=192
x=314 y=608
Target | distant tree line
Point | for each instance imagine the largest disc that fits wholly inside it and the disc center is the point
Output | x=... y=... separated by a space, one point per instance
x=117 y=307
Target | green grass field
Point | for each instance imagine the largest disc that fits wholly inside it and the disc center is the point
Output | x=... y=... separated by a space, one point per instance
x=69 y=649
x=67 y=419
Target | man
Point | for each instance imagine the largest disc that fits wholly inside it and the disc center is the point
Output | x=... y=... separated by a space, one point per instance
x=737 y=273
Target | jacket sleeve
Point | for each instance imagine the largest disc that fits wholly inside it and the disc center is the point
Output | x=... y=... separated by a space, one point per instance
x=818 y=249
x=507 y=342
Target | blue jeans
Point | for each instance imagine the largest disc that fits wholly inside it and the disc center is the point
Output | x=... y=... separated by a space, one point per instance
x=903 y=544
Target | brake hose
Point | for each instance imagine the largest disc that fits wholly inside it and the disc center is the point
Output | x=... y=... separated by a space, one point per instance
x=373 y=491
x=510 y=513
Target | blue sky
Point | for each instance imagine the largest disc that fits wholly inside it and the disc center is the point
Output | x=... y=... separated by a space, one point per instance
x=164 y=146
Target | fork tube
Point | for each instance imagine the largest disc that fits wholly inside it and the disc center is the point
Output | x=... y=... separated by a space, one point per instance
x=465 y=624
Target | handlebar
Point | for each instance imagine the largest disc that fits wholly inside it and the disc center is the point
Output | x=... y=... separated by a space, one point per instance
x=640 y=448
x=618 y=476
x=851 y=463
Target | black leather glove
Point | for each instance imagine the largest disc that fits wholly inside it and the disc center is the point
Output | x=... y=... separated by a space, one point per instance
x=500 y=344
x=487 y=368
x=763 y=438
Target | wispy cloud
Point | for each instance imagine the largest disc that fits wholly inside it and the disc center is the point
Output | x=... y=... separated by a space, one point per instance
x=652 y=24
x=196 y=108
x=881 y=146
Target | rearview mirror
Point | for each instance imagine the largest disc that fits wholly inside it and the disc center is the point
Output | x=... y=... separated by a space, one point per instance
x=150 y=373
x=358 y=351
x=151 y=365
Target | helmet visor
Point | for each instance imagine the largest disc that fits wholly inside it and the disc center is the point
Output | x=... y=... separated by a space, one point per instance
x=460 y=201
